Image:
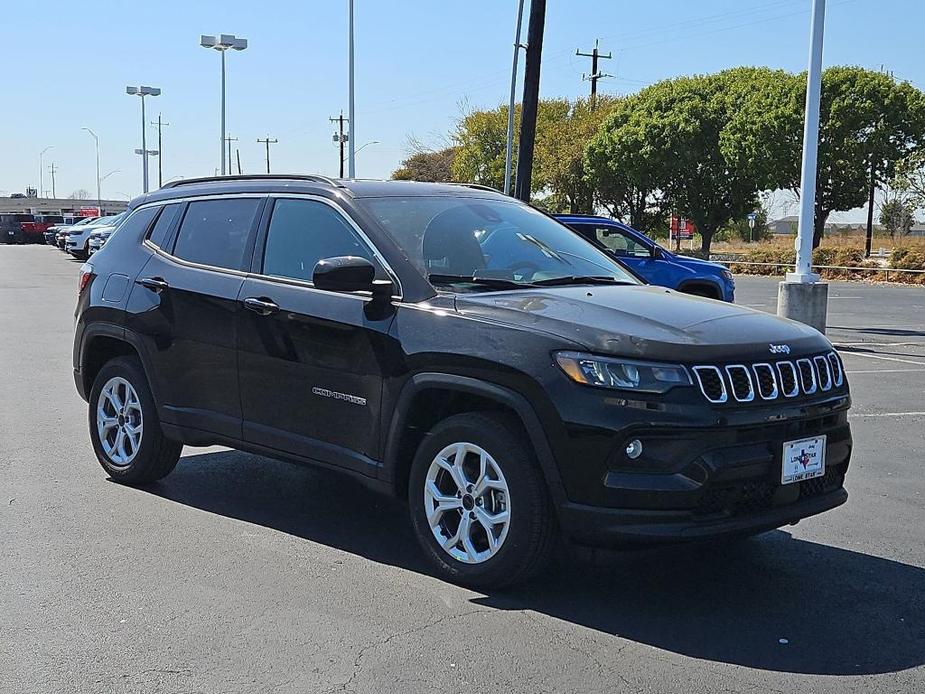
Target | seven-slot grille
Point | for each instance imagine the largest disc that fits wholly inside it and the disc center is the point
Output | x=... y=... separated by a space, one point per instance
x=770 y=381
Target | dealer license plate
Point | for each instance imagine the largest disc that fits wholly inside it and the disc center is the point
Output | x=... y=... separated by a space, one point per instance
x=803 y=460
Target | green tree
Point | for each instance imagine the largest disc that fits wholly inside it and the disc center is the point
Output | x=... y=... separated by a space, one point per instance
x=434 y=166
x=560 y=153
x=867 y=120
x=897 y=215
x=674 y=142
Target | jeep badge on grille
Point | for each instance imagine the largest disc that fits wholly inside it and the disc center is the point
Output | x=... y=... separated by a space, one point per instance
x=780 y=349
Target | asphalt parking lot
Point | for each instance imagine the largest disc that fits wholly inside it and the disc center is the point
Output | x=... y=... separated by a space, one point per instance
x=241 y=574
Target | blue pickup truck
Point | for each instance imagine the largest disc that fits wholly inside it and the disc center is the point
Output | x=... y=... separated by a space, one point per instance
x=653 y=263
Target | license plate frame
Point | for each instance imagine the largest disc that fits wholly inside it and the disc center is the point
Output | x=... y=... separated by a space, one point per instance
x=803 y=459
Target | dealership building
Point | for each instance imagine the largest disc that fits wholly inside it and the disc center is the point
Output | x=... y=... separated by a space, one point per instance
x=59 y=206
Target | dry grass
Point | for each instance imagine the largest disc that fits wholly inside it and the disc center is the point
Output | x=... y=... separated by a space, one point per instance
x=839 y=242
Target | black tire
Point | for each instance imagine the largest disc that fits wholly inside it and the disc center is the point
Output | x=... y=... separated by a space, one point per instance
x=705 y=292
x=532 y=532
x=157 y=455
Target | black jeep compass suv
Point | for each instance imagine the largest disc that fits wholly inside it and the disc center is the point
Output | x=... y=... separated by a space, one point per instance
x=452 y=346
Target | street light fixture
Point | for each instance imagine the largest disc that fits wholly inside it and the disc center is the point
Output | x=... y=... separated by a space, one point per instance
x=222 y=43
x=143 y=92
x=42 y=170
x=96 y=140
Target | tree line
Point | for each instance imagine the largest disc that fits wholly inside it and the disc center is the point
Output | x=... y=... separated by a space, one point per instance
x=704 y=147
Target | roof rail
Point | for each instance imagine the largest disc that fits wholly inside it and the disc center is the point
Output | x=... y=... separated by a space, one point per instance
x=476 y=186
x=316 y=178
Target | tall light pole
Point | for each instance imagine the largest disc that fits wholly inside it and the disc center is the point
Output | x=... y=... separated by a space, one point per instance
x=42 y=170
x=221 y=44
x=801 y=296
x=351 y=115
x=96 y=140
x=509 y=149
x=144 y=152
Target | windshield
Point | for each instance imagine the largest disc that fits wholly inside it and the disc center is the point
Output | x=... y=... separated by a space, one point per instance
x=493 y=243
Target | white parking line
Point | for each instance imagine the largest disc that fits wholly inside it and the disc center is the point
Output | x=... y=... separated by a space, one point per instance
x=888 y=371
x=877 y=356
x=880 y=344
x=887 y=414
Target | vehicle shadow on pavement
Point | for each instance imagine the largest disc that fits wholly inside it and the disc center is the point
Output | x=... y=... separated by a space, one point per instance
x=773 y=602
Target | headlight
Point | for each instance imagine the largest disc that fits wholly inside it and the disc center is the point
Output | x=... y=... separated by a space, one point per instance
x=727 y=275
x=623 y=374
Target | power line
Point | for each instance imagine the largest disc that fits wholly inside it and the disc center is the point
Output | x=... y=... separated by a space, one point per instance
x=267 y=141
x=596 y=74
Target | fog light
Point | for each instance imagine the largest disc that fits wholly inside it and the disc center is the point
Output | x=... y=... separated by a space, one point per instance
x=634 y=449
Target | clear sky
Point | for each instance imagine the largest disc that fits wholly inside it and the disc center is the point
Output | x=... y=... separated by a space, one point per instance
x=418 y=63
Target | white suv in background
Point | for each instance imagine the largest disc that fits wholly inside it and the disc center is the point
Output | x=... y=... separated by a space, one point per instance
x=78 y=240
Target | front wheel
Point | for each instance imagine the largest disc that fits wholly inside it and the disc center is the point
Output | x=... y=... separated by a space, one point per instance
x=479 y=503
x=124 y=426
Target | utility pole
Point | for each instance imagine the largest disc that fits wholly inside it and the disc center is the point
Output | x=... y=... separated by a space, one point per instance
x=509 y=147
x=595 y=75
x=160 y=148
x=53 y=169
x=267 y=142
x=341 y=137
x=869 y=236
x=229 y=139
x=237 y=152
x=531 y=98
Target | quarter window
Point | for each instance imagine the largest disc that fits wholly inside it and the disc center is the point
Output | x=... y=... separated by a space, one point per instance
x=166 y=219
x=301 y=233
x=138 y=222
x=215 y=232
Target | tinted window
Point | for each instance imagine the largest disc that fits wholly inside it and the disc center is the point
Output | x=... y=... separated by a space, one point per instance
x=620 y=242
x=301 y=233
x=138 y=223
x=162 y=226
x=458 y=238
x=214 y=232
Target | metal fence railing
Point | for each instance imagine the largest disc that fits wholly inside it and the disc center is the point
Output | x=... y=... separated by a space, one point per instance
x=877 y=270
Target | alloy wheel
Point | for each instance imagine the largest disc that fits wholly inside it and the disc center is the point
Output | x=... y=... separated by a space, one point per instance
x=119 y=421
x=467 y=502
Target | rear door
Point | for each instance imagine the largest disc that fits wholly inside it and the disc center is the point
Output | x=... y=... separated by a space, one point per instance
x=190 y=285
x=311 y=366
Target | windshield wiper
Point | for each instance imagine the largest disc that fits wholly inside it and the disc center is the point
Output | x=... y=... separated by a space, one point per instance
x=578 y=279
x=493 y=282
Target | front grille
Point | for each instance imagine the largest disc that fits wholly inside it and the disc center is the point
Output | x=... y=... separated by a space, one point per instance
x=770 y=380
x=741 y=382
x=711 y=383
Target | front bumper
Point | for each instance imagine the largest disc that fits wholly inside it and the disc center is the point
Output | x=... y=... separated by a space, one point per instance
x=592 y=526
x=705 y=481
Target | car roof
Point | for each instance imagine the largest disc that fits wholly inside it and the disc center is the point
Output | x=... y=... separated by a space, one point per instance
x=312 y=183
x=588 y=218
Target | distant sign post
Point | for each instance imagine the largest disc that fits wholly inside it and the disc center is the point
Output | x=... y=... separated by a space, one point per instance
x=680 y=229
x=752 y=217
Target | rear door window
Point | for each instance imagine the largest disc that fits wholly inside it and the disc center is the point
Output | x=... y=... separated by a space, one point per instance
x=216 y=232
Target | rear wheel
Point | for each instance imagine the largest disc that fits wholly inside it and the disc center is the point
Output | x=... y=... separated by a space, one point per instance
x=124 y=427
x=479 y=504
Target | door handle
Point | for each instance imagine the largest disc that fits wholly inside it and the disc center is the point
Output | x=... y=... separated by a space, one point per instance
x=264 y=307
x=155 y=284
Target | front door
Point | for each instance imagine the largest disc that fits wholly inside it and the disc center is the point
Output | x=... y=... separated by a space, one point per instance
x=311 y=362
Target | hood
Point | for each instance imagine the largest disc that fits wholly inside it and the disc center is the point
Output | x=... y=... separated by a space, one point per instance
x=691 y=261
x=645 y=322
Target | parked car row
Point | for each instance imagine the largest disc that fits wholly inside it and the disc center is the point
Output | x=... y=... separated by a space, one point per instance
x=21 y=227
x=85 y=237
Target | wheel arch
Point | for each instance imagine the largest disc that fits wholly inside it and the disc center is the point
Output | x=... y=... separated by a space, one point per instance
x=704 y=285
x=427 y=398
x=103 y=342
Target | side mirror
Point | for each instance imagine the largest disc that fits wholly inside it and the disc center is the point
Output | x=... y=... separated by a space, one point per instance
x=348 y=273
